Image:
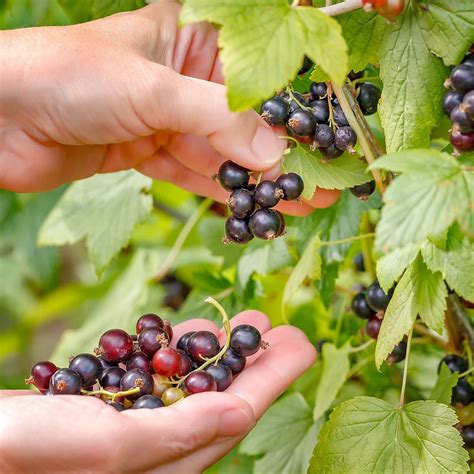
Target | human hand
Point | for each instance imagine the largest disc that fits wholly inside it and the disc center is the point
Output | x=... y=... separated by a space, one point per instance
x=65 y=432
x=129 y=91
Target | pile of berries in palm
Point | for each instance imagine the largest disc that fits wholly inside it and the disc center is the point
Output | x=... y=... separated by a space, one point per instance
x=462 y=398
x=251 y=204
x=316 y=118
x=458 y=104
x=144 y=371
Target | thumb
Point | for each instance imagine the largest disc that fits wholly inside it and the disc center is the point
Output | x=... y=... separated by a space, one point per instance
x=197 y=107
x=179 y=430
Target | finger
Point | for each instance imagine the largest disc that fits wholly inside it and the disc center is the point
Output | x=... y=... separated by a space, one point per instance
x=196 y=107
x=288 y=356
x=324 y=198
x=16 y=393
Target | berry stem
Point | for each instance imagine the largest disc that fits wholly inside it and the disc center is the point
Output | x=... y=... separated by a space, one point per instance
x=466 y=373
x=111 y=395
x=357 y=121
x=364 y=79
x=347 y=240
x=366 y=245
x=340 y=8
x=183 y=235
x=405 y=370
x=292 y=97
x=362 y=347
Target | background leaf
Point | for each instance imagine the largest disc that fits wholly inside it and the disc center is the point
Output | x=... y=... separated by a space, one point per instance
x=443 y=388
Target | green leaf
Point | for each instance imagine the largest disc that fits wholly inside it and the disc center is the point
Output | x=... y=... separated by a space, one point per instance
x=343 y=172
x=103 y=210
x=308 y=266
x=413 y=89
x=233 y=462
x=455 y=262
x=263 y=43
x=443 y=388
x=425 y=200
x=336 y=366
x=368 y=435
x=285 y=436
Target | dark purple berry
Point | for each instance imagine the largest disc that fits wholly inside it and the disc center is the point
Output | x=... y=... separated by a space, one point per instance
x=368 y=98
x=185 y=363
x=235 y=362
x=339 y=117
x=111 y=377
x=147 y=321
x=117 y=405
x=137 y=378
x=318 y=90
x=377 y=298
x=330 y=152
x=467 y=435
x=462 y=393
x=462 y=141
x=199 y=382
x=105 y=364
x=202 y=345
x=245 y=340
x=41 y=374
x=358 y=262
x=148 y=401
x=373 y=327
x=139 y=360
x=320 y=110
x=241 y=203
x=462 y=78
x=360 y=307
x=345 y=139
x=183 y=341
x=151 y=340
x=468 y=59
x=88 y=367
x=168 y=330
x=292 y=186
x=463 y=121
x=451 y=100
x=323 y=136
x=237 y=231
x=176 y=293
x=455 y=363
x=398 y=354
x=232 y=176
x=307 y=65
x=267 y=194
x=363 y=191
x=222 y=374
x=301 y=123
x=115 y=345
x=275 y=111
x=468 y=104
x=65 y=382
x=294 y=105
x=266 y=224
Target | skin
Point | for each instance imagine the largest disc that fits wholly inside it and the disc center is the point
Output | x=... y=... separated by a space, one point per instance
x=85 y=434
x=129 y=91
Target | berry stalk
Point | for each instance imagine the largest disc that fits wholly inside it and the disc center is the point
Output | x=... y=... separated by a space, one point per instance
x=341 y=8
x=405 y=370
x=111 y=395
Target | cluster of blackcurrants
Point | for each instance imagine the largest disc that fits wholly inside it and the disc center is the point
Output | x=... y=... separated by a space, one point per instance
x=251 y=204
x=462 y=397
x=143 y=371
x=458 y=104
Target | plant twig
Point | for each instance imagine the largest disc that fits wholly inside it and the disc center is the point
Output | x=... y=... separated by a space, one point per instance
x=432 y=336
x=169 y=211
x=340 y=8
x=362 y=347
x=347 y=240
x=405 y=370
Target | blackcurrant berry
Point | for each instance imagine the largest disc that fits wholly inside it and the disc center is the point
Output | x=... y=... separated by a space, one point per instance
x=467 y=435
x=307 y=65
x=301 y=123
x=462 y=78
x=235 y=362
x=160 y=384
x=318 y=90
x=232 y=176
x=198 y=382
x=320 y=110
x=151 y=340
x=360 y=307
x=185 y=363
x=202 y=345
x=463 y=121
x=335 y=101
x=275 y=111
x=377 y=298
x=358 y=262
x=455 y=363
x=41 y=374
x=373 y=327
x=117 y=405
x=292 y=186
x=112 y=377
x=237 y=231
x=183 y=341
x=451 y=100
x=168 y=330
x=323 y=136
x=339 y=117
x=469 y=59
x=172 y=395
x=462 y=141
x=105 y=364
x=221 y=374
x=294 y=105
x=65 y=382
x=462 y=392
x=468 y=104
x=88 y=367
x=398 y=354
x=345 y=139
x=115 y=345
x=112 y=389
x=241 y=203
x=267 y=194
x=330 y=152
x=245 y=340
x=319 y=346
x=265 y=224
x=363 y=191
x=166 y=362
x=176 y=293
x=139 y=360
x=148 y=401
x=149 y=320
x=368 y=98
x=137 y=378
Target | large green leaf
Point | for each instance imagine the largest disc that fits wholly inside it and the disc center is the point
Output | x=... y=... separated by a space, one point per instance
x=368 y=435
x=443 y=388
x=263 y=43
x=103 y=210
x=285 y=436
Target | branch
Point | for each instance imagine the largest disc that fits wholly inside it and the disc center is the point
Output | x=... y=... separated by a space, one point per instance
x=458 y=325
x=340 y=8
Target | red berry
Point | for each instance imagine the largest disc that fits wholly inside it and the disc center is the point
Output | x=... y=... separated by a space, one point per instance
x=139 y=360
x=167 y=362
x=149 y=320
x=199 y=382
x=202 y=345
x=115 y=345
x=373 y=327
x=390 y=9
x=41 y=374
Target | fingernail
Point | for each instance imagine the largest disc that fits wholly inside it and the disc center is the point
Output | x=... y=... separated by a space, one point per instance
x=235 y=422
x=266 y=146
